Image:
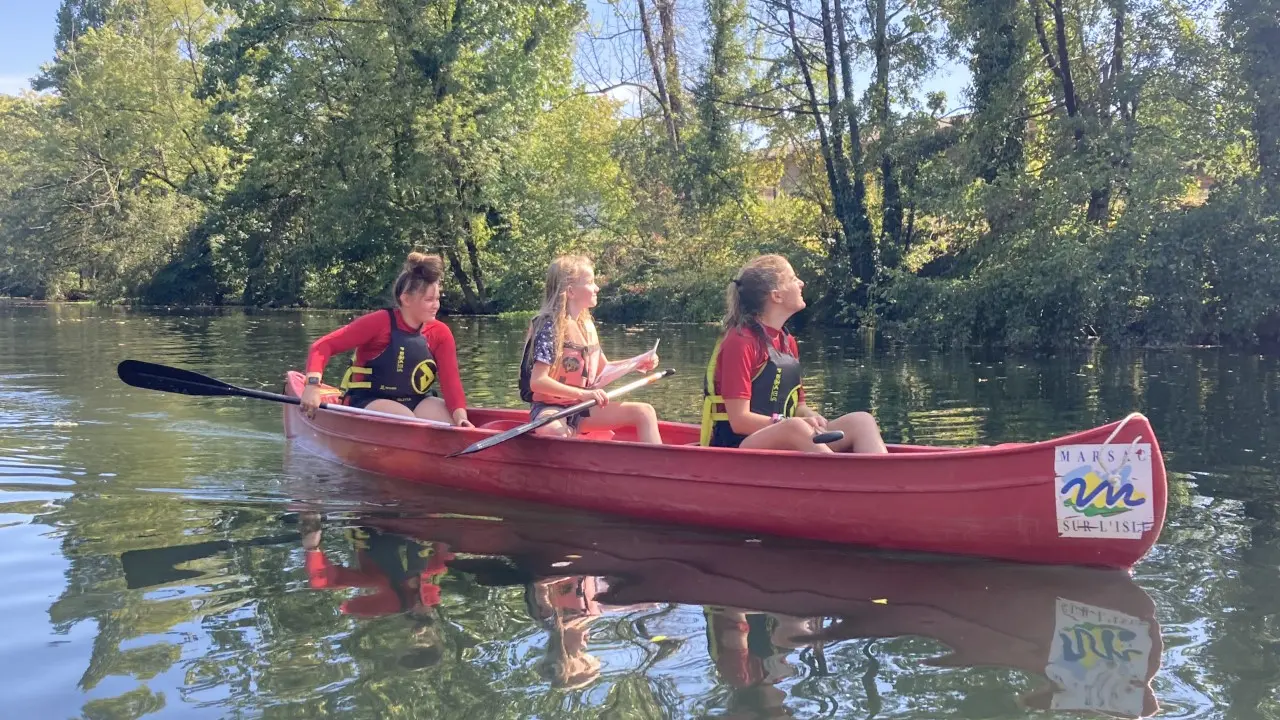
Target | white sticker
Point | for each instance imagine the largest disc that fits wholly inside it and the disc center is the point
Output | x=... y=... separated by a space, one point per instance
x=1098 y=660
x=1103 y=491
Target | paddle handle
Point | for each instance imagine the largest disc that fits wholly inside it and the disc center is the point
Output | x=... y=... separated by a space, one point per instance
x=826 y=438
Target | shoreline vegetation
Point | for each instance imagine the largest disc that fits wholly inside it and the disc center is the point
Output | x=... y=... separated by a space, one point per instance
x=1110 y=174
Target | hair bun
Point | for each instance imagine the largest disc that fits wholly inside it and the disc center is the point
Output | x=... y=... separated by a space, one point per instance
x=422 y=264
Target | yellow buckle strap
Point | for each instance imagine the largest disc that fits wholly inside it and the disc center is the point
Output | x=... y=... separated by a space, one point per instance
x=347 y=383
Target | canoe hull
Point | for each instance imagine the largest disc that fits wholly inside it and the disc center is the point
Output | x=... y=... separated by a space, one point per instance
x=1000 y=502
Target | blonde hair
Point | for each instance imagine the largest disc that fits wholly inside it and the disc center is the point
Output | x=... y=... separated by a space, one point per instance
x=420 y=270
x=745 y=298
x=564 y=271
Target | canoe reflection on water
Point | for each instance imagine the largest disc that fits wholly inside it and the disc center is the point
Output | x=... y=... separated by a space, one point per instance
x=773 y=608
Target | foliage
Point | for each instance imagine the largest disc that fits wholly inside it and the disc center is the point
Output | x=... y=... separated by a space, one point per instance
x=1109 y=174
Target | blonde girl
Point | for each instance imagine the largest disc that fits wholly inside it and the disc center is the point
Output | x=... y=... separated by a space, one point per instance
x=562 y=358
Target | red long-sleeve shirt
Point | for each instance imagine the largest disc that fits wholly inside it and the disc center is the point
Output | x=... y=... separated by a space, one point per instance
x=370 y=334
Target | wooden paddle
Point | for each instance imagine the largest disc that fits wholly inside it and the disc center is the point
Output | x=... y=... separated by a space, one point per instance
x=571 y=410
x=153 y=376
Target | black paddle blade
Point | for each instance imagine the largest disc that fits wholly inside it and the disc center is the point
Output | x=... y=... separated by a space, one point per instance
x=152 y=376
x=493 y=571
x=149 y=567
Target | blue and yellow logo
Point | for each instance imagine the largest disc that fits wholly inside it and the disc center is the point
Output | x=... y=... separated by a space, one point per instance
x=423 y=376
x=1089 y=494
x=1086 y=644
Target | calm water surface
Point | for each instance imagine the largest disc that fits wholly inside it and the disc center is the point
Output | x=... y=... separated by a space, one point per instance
x=168 y=556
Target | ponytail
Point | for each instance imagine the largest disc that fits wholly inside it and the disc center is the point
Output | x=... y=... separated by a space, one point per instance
x=745 y=296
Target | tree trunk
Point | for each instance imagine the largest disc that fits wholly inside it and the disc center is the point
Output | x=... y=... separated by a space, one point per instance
x=659 y=78
x=469 y=297
x=891 y=210
x=857 y=226
x=671 y=61
x=1059 y=58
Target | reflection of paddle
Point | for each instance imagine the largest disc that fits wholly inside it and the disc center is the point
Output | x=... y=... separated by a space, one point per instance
x=546 y=419
x=153 y=376
x=493 y=571
x=155 y=566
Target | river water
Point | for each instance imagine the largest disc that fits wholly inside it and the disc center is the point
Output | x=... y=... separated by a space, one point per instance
x=169 y=556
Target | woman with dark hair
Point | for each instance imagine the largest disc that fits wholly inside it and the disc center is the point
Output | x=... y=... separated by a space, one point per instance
x=401 y=353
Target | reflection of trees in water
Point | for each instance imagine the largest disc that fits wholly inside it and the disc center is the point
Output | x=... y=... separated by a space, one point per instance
x=244 y=632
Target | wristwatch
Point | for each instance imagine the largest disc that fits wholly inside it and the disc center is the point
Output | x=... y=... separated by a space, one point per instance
x=313 y=380
x=775 y=418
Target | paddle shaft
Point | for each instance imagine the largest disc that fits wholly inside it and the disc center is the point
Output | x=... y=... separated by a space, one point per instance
x=588 y=404
x=154 y=376
x=571 y=410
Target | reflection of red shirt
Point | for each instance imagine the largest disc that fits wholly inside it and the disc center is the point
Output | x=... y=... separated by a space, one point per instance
x=370 y=334
x=385 y=599
x=742 y=355
x=737 y=666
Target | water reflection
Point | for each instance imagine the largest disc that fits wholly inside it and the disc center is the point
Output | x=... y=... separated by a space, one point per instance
x=221 y=618
x=400 y=576
x=604 y=604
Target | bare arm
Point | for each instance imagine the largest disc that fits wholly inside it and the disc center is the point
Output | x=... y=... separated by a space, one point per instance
x=540 y=381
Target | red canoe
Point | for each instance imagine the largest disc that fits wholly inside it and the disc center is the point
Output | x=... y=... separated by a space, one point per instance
x=1094 y=498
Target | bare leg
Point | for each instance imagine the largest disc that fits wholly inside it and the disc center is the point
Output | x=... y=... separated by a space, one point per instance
x=790 y=434
x=640 y=416
x=559 y=428
x=390 y=407
x=861 y=434
x=433 y=408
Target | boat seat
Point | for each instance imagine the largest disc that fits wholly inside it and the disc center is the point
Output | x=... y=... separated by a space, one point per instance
x=508 y=424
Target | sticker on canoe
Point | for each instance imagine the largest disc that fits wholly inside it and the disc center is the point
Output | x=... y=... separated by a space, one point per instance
x=1098 y=660
x=1103 y=491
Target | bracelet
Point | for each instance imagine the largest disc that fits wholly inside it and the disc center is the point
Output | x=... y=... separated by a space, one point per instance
x=775 y=418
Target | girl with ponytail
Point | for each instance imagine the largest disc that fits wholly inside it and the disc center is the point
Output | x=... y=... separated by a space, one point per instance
x=753 y=393
x=401 y=353
x=562 y=359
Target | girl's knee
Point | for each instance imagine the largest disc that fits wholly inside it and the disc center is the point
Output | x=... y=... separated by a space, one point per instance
x=861 y=421
x=797 y=426
x=554 y=429
x=644 y=412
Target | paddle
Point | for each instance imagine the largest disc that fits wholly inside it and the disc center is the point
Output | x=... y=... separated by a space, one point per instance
x=153 y=376
x=571 y=410
x=147 y=567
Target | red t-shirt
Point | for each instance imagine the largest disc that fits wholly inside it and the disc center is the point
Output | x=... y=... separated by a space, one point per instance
x=370 y=334
x=742 y=355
